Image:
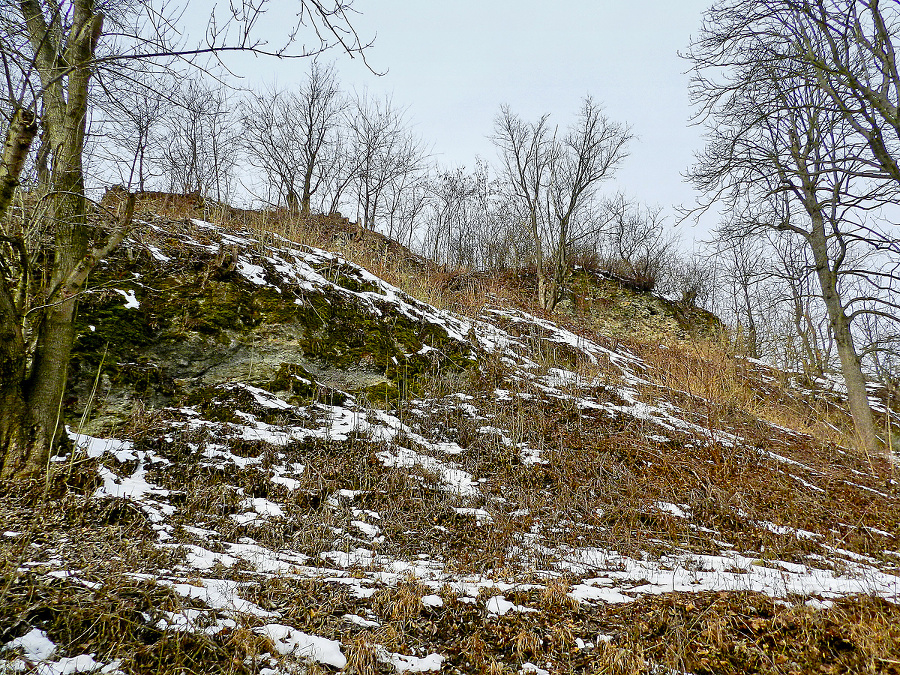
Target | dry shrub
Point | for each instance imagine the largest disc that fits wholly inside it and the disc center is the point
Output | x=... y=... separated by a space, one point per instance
x=556 y=595
x=389 y=636
x=640 y=277
x=527 y=643
x=173 y=205
x=475 y=650
x=497 y=668
x=612 y=660
x=401 y=603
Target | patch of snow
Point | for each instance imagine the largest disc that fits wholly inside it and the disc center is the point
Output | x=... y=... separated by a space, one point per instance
x=253 y=273
x=220 y=594
x=370 y=531
x=71 y=576
x=780 y=529
x=157 y=254
x=587 y=592
x=288 y=640
x=480 y=515
x=674 y=509
x=359 y=557
x=360 y=621
x=195 y=621
x=131 y=301
x=731 y=571
x=499 y=605
x=263 y=507
x=875 y=530
x=35 y=645
x=96 y=447
x=528 y=668
x=37 y=650
x=290 y=483
x=136 y=488
x=409 y=664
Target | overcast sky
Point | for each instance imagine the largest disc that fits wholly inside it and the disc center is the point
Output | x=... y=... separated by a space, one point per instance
x=454 y=63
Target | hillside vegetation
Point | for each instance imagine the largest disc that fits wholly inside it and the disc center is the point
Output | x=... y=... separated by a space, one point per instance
x=300 y=448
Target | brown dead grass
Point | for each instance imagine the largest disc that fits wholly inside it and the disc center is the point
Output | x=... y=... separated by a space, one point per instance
x=598 y=488
x=461 y=291
x=731 y=390
x=736 y=633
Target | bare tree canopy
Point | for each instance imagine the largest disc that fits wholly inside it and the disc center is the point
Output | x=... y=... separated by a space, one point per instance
x=385 y=154
x=293 y=136
x=555 y=177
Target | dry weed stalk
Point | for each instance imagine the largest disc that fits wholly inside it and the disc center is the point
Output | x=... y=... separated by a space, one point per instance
x=361 y=656
x=556 y=595
x=403 y=602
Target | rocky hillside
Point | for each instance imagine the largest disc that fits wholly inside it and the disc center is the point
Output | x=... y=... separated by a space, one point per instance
x=282 y=463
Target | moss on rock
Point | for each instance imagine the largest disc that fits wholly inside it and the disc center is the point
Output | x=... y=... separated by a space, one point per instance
x=199 y=322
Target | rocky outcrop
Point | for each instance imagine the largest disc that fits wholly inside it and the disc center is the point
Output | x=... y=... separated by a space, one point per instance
x=189 y=308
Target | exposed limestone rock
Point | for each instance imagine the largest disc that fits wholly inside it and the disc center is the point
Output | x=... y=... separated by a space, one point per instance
x=198 y=308
x=618 y=310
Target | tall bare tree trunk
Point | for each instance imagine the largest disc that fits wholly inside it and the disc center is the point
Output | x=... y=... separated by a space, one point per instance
x=540 y=271
x=15 y=425
x=854 y=380
x=30 y=421
x=22 y=131
x=307 y=189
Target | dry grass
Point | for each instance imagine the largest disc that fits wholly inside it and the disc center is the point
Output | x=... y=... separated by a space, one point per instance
x=603 y=477
x=402 y=602
x=729 y=390
x=460 y=291
x=361 y=656
x=745 y=633
x=596 y=490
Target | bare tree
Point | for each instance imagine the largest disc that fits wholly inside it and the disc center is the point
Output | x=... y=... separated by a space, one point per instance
x=404 y=204
x=526 y=151
x=849 y=48
x=338 y=170
x=51 y=51
x=289 y=135
x=741 y=270
x=126 y=131
x=812 y=349
x=386 y=154
x=471 y=221
x=767 y=291
x=555 y=178
x=640 y=249
x=454 y=204
x=776 y=140
x=693 y=279
x=202 y=141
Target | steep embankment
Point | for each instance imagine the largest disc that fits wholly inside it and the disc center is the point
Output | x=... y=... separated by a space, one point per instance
x=286 y=464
